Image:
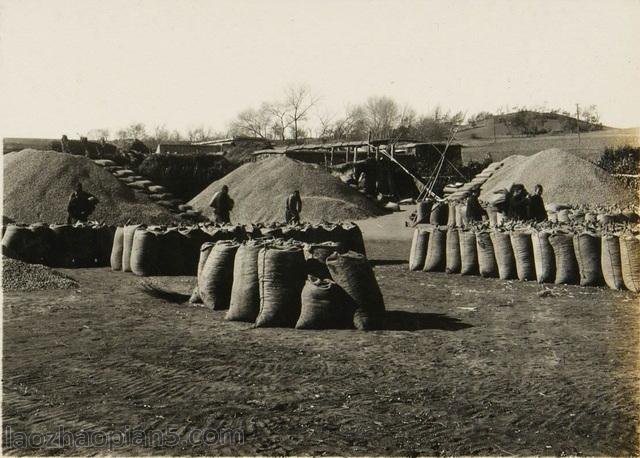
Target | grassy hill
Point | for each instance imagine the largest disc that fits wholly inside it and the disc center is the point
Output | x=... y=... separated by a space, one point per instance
x=590 y=145
x=525 y=122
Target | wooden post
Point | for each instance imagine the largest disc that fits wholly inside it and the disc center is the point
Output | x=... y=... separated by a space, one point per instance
x=578 y=122
x=346 y=155
x=369 y=145
x=355 y=154
x=332 y=155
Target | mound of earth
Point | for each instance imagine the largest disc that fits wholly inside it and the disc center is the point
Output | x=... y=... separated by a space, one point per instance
x=565 y=178
x=20 y=276
x=37 y=186
x=260 y=189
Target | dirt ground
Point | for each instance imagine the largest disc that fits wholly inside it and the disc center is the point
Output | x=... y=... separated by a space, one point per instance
x=467 y=366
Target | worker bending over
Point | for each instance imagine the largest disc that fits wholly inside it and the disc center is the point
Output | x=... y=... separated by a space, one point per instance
x=81 y=205
x=293 y=207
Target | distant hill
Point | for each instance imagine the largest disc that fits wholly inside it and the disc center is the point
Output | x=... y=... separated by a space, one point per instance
x=527 y=123
x=589 y=145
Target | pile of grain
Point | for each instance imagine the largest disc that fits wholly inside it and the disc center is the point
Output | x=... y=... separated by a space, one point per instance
x=565 y=177
x=37 y=186
x=259 y=190
x=20 y=276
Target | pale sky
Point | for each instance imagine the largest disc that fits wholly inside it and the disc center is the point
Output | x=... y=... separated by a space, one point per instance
x=72 y=66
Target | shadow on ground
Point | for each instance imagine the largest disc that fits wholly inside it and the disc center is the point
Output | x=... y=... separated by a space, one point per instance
x=398 y=320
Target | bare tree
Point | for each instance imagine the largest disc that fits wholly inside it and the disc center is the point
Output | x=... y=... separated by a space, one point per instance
x=253 y=123
x=97 y=134
x=280 y=119
x=325 y=124
x=136 y=130
x=383 y=115
x=298 y=102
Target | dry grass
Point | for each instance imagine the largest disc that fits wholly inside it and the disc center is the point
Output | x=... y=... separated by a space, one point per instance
x=591 y=145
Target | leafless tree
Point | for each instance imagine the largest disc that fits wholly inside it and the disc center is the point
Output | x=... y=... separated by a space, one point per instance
x=325 y=124
x=280 y=119
x=253 y=123
x=97 y=134
x=298 y=101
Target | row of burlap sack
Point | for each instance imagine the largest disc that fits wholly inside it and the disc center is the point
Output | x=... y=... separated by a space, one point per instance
x=584 y=258
x=278 y=283
x=156 y=250
x=59 y=245
x=453 y=213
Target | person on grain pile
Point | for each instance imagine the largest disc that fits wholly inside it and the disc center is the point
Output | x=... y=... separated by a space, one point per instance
x=518 y=203
x=537 y=212
x=474 y=210
x=293 y=207
x=222 y=205
x=81 y=205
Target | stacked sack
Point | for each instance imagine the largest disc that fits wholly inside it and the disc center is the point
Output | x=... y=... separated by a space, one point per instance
x=285 y=283
x=59 y=245
x=157 y=250
x=543 y=252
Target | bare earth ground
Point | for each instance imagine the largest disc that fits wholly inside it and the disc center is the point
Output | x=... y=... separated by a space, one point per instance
x=468 y=366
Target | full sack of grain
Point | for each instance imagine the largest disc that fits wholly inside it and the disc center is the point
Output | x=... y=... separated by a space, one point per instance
x=116 y=249
x=216 y=279
x=172 y=248
x=630 y=259
x=523 y=254
x=423 y=210
x=451 y=215
x=439 y=214
x=62 y=253
x=436 y=250
x=353 y=273
x=324 y=306
x=19 y=242
x=43 y=243
x=487 y=264
x=566 y=263
x=543 y=256
x=355 y=241
x=452 y=252
x=281 y=278
x=205 y=249
x=418 y=253
x=144 y=259
x=316 y=255
x=104 y=243
x=468 y=252
x=245 y=292
x=127 y=242
x=611 y=262
x=587 y=249
x=504 y=255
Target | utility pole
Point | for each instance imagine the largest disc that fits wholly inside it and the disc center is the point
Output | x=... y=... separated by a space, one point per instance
x=494 y=128
x=578 y=122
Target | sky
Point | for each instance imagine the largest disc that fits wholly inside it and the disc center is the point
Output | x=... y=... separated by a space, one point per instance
x=72 y=66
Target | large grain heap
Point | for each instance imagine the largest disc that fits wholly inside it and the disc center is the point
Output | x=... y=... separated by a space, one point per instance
x=37 y=186
x=259 y=190
x=565 y=177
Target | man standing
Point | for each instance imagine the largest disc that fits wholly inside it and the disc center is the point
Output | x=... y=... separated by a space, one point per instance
x=537 y=212
x=293 y=207
x=222 y=205
x=518 y=201
x=81 y=205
